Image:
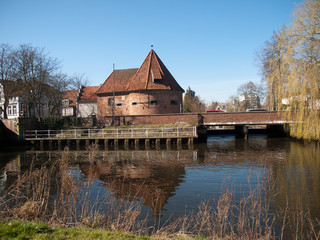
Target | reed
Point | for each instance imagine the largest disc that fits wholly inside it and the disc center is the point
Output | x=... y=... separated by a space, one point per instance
x=52 y=193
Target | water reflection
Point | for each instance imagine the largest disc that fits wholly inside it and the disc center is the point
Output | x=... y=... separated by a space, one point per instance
x=150 y=175
x=171 y=181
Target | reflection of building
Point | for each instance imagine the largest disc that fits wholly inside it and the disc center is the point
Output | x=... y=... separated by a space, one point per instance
x=132 y=174
x=150 y=89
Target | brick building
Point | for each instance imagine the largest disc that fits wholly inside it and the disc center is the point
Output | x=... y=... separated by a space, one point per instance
x=150 y=89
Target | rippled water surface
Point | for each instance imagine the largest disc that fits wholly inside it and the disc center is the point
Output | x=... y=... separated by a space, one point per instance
x=170 y=183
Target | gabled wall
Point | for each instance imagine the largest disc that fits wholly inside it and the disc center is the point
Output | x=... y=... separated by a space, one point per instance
x=86 y=109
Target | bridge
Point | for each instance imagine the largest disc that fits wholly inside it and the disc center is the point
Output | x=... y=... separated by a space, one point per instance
x=242 y=118
x=241 y=121
x=113 y=137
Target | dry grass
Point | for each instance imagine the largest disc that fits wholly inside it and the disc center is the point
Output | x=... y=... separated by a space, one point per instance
x=53 y=194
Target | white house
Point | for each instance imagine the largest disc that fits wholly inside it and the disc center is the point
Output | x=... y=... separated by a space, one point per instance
x=69 y=103
x=16 y=105
x=87 y=102
x=80 y=102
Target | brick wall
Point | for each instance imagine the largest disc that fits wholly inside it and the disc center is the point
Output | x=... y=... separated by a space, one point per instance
x=157 y=102
x=242 y=117
x=183 y=119
x=196 y=119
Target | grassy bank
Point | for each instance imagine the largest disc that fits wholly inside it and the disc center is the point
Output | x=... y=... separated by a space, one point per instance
x=34 y=230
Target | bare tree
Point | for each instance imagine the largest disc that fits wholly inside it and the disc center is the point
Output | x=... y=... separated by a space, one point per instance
x=6 y=68
x=77 y=80
x=41 y=78
x=61 y=83
x=250 y=95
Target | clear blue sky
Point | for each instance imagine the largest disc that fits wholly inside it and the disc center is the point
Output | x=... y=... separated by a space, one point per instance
x=208 y=45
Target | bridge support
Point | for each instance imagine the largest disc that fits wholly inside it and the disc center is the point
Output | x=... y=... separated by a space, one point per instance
x=190 y=143
x=202 y=133
x=59 y=145
x=116 y=144
x=158 y=144
x=106 y=144
x=147 y=144
x=179 y=143
x=168 y=143
x=136 y=144
x=126 y=144
x=241 y=131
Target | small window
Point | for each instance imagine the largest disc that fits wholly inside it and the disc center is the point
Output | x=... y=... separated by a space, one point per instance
x=119 y=104
x=154 y=102
x=134 y=103
x=14 y=110
x=65 y=102
x=174 y=102
x=9 y=111
x=110 y=101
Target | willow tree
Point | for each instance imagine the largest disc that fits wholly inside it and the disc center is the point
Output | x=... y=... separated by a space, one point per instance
x=295 y=74
x=272 y=66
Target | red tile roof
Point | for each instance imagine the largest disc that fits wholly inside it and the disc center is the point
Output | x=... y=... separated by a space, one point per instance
x=121 y=79
x=71 y=94
x=152 y=75
x=87 y=94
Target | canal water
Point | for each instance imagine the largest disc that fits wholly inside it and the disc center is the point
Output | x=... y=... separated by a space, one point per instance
x=172 y=183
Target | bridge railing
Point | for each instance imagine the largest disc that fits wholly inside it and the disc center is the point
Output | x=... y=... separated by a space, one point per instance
x=113 y=133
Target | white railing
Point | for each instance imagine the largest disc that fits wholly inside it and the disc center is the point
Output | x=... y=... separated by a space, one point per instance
x=113 y=133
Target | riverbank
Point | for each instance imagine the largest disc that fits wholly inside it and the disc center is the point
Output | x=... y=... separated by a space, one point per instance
x=35 y=230
x=86 y=189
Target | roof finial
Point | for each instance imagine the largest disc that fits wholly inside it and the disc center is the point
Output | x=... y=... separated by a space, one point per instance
x=151 y=46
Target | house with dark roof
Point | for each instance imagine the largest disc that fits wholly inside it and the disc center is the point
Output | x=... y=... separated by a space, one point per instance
x=150 y=89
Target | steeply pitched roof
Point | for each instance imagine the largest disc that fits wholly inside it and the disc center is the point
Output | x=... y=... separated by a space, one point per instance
x=87 y=94
x=121 y=79
x=152 y=75
x=71 y=94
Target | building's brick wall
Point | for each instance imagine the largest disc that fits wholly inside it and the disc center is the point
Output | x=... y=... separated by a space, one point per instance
x=182 y=119
x=197 y=119
x=240 y=117
x=147 y=103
